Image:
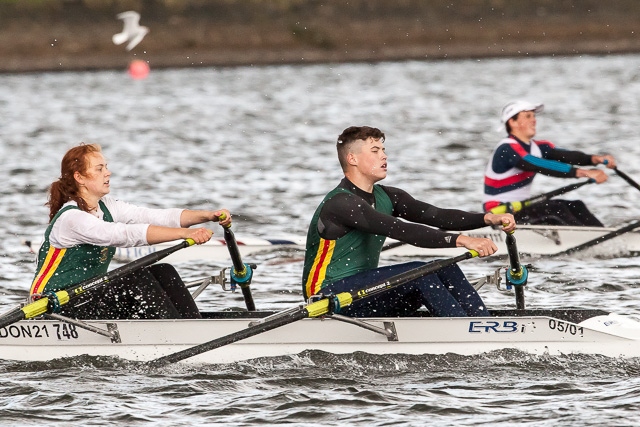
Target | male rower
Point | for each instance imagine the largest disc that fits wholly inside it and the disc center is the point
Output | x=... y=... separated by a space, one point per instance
x=349 y=227
x=518 y=158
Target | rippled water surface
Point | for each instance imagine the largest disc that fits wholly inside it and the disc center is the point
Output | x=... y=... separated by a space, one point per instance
x=260 y=141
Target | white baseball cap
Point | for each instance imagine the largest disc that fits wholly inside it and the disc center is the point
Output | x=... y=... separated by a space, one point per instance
x=514 y=107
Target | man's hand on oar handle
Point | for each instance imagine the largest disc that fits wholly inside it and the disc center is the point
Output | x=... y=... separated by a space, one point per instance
x=223 y=217
x=606 y=159
x=484 y=247
x=506 y=220
x=598 y=175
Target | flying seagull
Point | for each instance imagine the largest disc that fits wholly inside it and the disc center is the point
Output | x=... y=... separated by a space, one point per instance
x=133 y=32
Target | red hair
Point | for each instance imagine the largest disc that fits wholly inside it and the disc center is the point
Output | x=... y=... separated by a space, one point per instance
x=66 y=187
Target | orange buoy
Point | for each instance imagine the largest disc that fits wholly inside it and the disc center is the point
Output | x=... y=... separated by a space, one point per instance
x=138 y=69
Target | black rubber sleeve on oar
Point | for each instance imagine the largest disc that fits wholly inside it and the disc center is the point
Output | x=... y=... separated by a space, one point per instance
x=517 y=273
x=11 y=317
x=241 y=273
x=315 y=309
x=43 y=305
x=234 y=252
x=512 y=207
x=615 y=233
x=627 y=178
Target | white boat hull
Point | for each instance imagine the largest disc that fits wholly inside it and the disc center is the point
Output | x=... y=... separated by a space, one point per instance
x=145 y=340
x=532 y=240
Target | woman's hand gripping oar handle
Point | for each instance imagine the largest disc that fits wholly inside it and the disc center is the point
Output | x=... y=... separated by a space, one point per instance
x=241 y=274
x=516 y=273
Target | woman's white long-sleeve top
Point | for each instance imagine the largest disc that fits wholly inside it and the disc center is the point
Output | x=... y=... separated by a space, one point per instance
x=128 y=229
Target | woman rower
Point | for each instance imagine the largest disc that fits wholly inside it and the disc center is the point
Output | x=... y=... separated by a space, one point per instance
x=86 y=226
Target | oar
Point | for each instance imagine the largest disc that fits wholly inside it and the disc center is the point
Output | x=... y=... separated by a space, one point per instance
x=47 y=303
x=512 y=207
x=241 y=273
x=517 y=273
x=314 y=309
x=608 y=236
x=627 y=178
x=392 y=245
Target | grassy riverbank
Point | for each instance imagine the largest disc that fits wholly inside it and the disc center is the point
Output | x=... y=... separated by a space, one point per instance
x=37 y=35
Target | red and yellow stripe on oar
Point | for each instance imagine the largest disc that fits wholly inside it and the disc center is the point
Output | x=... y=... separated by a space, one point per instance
x=49 y=267
x=319 y=268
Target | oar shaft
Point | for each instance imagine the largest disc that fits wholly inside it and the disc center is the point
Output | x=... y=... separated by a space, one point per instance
x=242 y=274
x=392 y=245
x=41 y=306
x=558 y=192
x=521 y=205
x=242 y=334
x=234 y=251
x=627 y=178
x=517 y=275
x=314 y=309
x=608 y=236
x=120 y=272
x=512 y=251
x=408 y=276
x=248 y=298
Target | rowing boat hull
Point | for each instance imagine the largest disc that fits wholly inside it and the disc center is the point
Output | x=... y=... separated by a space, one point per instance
x=145 y=340
x=532 y=240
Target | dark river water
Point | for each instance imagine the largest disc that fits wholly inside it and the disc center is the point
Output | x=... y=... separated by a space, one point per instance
x=260 y=141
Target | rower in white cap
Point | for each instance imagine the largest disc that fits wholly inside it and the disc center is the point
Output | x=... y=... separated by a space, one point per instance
x=518 y=158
